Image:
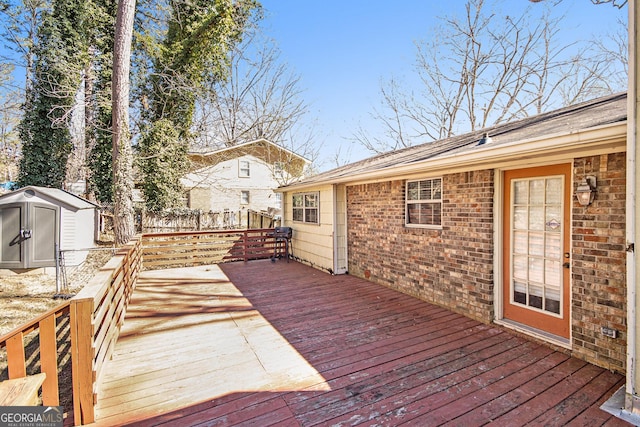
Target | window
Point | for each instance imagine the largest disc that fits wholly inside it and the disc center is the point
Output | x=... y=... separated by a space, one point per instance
x=278 y=201
x=243 y=168
x=244 y=197
x=306 y=207
x=278 y=169
x=424 y=203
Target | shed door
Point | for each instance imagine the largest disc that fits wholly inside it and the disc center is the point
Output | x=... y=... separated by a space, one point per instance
x=29 y=235
x=11 y=222
x=536 y=240
x=43 y=220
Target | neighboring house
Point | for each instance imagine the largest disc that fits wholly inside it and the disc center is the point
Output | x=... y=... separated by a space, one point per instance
x=242 y=177
x=488 y=224
x=35 y=221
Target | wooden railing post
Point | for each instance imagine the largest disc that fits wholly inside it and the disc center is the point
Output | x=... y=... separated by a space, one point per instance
x=244 y=245
x=15 y=356
x=49 y=361
x=82 y=361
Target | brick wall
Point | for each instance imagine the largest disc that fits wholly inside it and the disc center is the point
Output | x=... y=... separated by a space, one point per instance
x=599 y=263
x=451 y=267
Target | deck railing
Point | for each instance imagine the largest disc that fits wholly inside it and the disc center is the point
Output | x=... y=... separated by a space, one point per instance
x=49 y=346
x=97 y=312
x=185 y=249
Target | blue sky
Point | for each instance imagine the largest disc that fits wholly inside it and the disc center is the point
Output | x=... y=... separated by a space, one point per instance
x=342 y=49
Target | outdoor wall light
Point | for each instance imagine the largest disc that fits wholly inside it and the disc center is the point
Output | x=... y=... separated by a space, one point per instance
x=586 y=190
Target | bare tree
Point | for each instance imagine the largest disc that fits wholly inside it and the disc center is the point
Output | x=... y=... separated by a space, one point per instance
x=10 y=101
x=122 y=154
x=19 y=26
x=484 y=69
x=394 y=115
x=617 y=3
x=608 y=56
x=20 y=29
x=261 y=98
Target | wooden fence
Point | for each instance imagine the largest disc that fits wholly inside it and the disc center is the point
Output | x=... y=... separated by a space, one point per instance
x=169 y=222
x=97 y=312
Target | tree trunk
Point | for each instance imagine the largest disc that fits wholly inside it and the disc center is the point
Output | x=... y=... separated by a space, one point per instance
x=89 y=128
x=122 y=153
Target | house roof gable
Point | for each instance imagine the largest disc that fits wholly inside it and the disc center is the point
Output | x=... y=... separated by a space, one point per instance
x=255 y=148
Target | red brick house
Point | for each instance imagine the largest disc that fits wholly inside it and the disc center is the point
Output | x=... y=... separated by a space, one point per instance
x=489 y=224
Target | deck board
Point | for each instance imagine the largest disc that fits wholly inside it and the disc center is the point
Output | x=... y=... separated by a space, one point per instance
x=283 y=344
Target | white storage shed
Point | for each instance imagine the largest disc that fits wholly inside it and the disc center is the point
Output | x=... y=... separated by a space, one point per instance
x=34 y=221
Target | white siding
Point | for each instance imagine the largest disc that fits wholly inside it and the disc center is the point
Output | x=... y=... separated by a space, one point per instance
x=77 y=234
x=313 y=243
x=226 y=184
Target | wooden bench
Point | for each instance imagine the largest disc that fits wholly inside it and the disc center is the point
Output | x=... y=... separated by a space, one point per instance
x=21 y=391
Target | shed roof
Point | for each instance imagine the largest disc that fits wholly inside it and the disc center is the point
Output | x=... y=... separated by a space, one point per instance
x=592 y=114
x=51 y=194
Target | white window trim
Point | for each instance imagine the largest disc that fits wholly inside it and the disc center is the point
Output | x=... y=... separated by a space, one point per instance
x=304 y=208
x=241 y=169
x=278 y=169
x=242 y=193
x=407 y=202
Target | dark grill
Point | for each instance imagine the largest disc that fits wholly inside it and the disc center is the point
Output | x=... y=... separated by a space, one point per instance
x=283 y=242
x=283 y=233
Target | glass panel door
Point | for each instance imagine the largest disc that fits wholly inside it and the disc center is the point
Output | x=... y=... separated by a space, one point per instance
x=536 y=260
x=536 y=246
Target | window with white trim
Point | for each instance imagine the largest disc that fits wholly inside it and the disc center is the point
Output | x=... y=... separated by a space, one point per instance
x=423 y=203
x=306 y=207
x=244 y=168
x=278 y=169
x=244 y=197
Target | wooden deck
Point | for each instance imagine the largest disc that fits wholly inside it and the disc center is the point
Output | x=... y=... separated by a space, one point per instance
x=283 y=344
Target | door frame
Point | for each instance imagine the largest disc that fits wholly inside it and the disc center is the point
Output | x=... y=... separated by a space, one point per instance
x=340 y=235
x=498 y=258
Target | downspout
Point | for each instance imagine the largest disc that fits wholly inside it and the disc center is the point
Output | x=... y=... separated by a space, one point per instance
x=334 y=231
x=632 y=401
